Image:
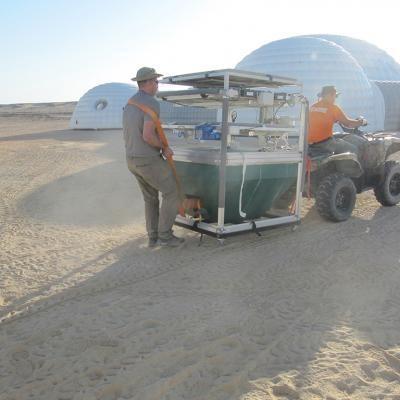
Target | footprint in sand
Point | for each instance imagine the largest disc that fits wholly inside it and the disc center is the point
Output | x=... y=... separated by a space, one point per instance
x=3 y=301
x=284 y=389
x=110 y=392
x=20 y=359
x=151 y=324
x=95 y=374
x=368 y=371
x=389 y=376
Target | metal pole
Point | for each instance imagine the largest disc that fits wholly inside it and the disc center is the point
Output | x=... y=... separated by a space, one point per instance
x=224 y=144
x=303 y=150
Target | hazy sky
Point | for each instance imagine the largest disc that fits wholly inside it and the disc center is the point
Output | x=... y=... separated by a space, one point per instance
x=57 y=50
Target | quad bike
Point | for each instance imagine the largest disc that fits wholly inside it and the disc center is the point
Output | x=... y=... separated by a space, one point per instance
x=335 y=179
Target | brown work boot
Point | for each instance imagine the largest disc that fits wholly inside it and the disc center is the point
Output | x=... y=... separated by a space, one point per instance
x=171 y=241
x=152 y=242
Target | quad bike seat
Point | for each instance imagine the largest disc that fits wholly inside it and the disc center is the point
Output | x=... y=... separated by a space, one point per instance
x=317 y=153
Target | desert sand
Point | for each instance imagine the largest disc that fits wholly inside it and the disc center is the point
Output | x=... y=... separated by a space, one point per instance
x=88 y=312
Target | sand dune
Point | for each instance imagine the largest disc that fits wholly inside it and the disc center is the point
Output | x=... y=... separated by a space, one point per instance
x=88 y=312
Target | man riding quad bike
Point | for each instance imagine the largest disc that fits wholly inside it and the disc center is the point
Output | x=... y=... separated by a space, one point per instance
x=341 y=165
x=335 y=179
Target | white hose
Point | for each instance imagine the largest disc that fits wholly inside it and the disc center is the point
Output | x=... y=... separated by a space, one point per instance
x=241 y=213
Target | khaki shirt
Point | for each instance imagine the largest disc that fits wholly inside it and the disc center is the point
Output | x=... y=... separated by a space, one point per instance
x=133 y=120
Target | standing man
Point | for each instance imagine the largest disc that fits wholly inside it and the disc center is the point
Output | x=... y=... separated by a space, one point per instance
x=144 y=152
x=323 y=115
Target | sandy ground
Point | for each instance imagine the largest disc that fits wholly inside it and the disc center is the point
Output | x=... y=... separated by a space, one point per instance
x=88 y=312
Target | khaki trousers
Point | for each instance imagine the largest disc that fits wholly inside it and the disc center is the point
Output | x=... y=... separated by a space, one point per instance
x=154 y=175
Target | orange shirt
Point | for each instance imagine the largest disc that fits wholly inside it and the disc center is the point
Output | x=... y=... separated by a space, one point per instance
x=321 y=118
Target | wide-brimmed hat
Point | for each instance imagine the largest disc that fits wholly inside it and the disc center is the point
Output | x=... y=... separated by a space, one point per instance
x=328 y=90
x=146 y=73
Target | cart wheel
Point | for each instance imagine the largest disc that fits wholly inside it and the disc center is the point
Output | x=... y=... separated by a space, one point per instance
x=295 y=227
x=221 y=241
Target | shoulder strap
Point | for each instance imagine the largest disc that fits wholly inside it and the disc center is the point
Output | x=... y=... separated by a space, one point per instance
x=149 y=111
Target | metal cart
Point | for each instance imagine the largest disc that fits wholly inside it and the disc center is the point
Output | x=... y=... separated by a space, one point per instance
x=266 y=156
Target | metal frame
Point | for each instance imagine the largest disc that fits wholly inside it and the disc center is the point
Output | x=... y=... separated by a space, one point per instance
x=238 y=78
x=233 y=78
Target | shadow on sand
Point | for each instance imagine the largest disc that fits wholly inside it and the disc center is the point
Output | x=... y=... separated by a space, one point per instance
x=215 y=303
x=105 y=194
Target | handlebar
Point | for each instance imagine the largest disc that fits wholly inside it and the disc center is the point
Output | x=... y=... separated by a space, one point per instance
x=356 y=130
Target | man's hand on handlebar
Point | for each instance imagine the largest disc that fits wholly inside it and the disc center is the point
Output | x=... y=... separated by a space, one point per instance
x=363 y=121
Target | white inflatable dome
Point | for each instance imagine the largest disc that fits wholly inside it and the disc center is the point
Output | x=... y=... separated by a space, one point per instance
x=101 y=107
x=317 y=61
x=376 y=63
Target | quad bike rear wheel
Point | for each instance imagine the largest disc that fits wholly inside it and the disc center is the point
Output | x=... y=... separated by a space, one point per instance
x=388 y=192
x=336 y=197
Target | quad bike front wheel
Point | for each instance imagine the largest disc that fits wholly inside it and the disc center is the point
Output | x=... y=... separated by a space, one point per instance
x=388 y=191
x=336 y=197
